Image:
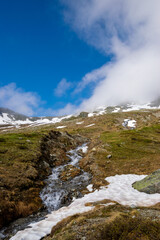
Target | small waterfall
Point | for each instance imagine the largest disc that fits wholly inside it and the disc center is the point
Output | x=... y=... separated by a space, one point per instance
x=57 y=192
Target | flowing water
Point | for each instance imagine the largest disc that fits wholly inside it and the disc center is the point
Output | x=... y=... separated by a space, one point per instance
x=57 y=193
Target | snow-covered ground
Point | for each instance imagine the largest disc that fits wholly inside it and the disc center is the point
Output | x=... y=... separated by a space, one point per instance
x=127 y=108
x=90 y=125
x=99 y=111
x=90 y=187
x=60 y=127
x=135 y=107
x=120 y=190
x=6 y=119
x=129 y=123
x=79 y=123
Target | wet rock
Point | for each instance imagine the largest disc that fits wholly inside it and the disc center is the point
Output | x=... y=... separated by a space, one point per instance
x=65 y=182
x=69 y=172
x=55 y=145
x=150 y=184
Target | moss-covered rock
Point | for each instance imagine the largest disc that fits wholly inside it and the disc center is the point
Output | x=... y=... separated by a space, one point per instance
x=150 y=184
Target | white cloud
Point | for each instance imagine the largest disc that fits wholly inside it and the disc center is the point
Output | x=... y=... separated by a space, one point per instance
x=18 y=100
x=67 y=110
x=62 y=87
x=130 y=31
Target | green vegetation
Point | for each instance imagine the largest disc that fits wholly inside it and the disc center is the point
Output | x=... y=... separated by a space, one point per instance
x=132 y=151
x=20 y=181
x=133 y=144
x=18 y=147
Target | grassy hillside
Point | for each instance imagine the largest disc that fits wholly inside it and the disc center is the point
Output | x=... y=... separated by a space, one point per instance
x=113 y=149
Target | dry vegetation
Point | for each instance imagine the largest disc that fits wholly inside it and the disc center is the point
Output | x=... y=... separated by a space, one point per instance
x=109 y=223
x=133 y=151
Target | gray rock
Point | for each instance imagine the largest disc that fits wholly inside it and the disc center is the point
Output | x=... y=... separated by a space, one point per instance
x=150 y=184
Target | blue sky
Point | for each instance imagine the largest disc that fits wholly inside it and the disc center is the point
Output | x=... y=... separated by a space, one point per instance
x=38 y=49
x=64 y=56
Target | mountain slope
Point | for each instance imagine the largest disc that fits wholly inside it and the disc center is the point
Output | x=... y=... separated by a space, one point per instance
x=115 y=146
x=8 y=116
x=11 y=118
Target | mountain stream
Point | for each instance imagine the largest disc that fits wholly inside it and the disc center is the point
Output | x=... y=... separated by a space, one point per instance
x=56 y=193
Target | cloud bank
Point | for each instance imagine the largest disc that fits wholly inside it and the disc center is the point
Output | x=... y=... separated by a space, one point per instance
x=18 y=100
x=129 y=31
x=62 y=87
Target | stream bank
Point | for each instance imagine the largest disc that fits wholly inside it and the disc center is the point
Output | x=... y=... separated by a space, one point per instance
x=58 y=191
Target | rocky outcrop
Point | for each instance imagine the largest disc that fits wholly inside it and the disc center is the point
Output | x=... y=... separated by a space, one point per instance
x=54 y=147
x=150 y=184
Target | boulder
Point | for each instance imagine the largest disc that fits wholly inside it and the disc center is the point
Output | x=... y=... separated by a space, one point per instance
x=150 y=184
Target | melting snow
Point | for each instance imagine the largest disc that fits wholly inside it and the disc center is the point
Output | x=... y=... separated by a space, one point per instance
x=59 y=127
x=84 y=148
x=119 y=190
x=129 y=123
x=117 y=109
x=90 y=125
x=78 y=123
x=5 y=119
x=90 y=187
x=90 y=114
x=139 y=107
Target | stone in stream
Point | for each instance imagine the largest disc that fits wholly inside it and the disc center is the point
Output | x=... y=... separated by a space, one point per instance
x=69 y=172
x=150 y=184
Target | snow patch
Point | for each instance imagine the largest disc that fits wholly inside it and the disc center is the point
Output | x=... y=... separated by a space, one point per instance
x=90 y=187
x=129 y=123
x=120 y=190
x=59 y=127
x=5 y=118
x=84 y=148
x=90 y=125
x=99 y=111
x=134 y=107
x=90 y=114
x=117 y=109
x=78 y=123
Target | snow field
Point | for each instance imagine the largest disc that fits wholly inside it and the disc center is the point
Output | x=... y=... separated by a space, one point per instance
x=120 y=190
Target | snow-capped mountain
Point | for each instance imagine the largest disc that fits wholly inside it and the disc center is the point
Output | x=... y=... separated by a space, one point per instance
x=9 y=118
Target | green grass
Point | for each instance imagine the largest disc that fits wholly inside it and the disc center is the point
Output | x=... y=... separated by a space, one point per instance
x=133 y=144
x=18 y=147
